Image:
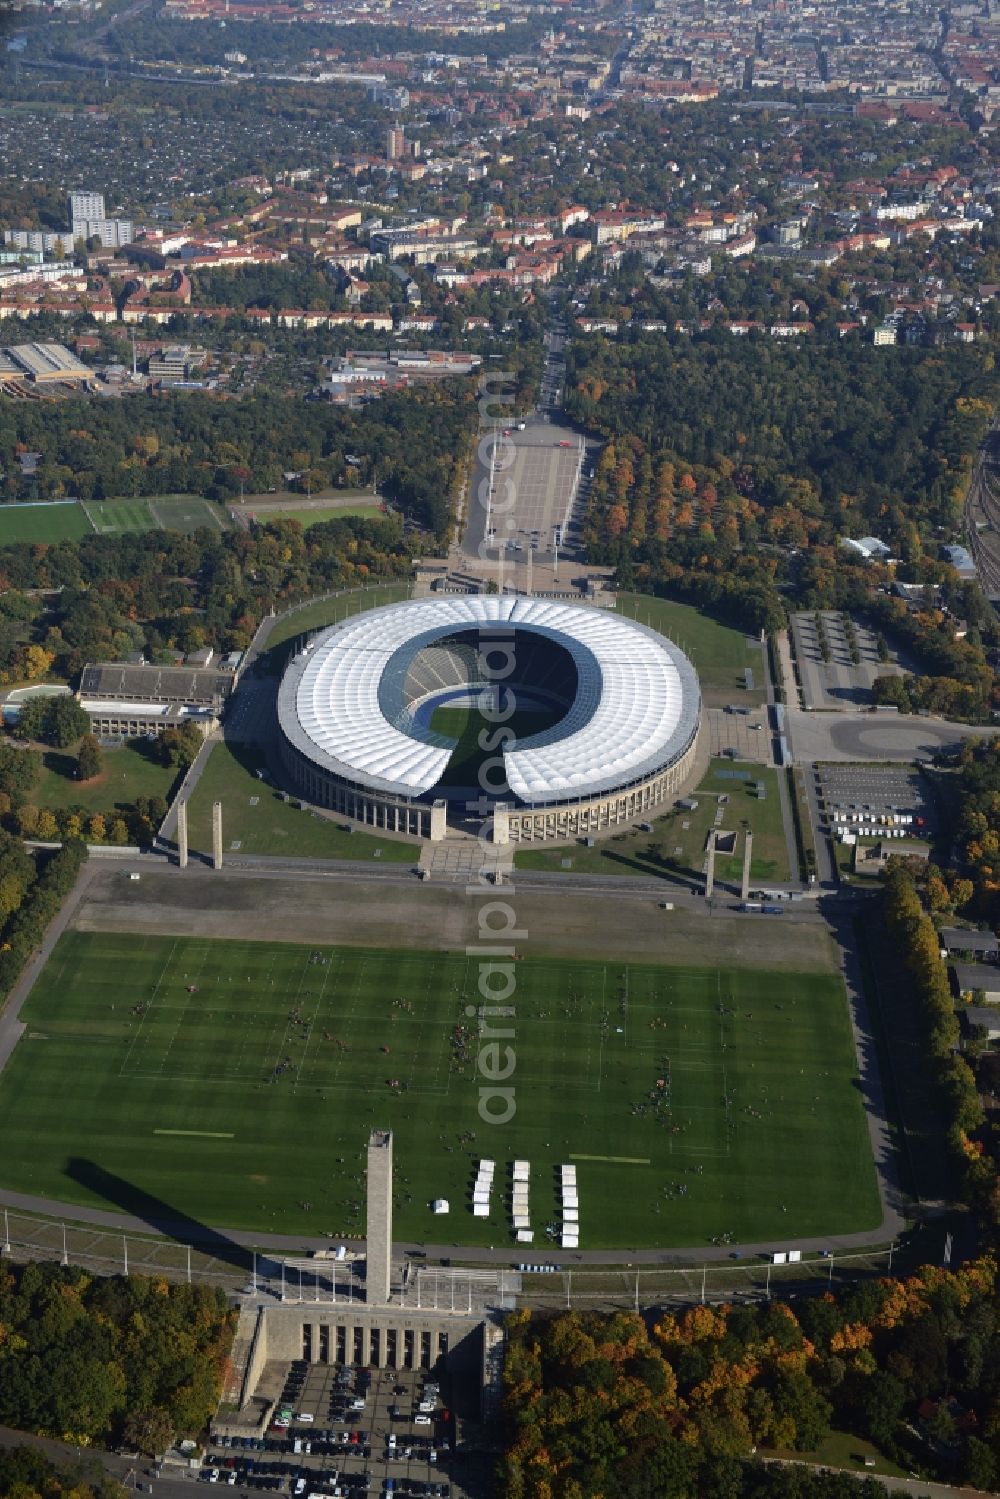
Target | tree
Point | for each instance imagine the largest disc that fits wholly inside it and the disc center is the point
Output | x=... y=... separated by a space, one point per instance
x=151 y=1431
x=19 y=770
x=89 y=758
x=48 y=828
x=31 y=719
x=57 y=720
x=36 y=662
x=178 y=747
x=65 y=721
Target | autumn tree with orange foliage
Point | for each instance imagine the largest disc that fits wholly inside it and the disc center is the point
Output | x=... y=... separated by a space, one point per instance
x=608 y=1406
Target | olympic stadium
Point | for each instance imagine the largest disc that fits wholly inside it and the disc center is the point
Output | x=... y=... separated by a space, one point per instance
x=548 y=719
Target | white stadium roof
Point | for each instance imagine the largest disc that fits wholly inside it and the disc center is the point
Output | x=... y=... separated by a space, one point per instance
x=636 y=708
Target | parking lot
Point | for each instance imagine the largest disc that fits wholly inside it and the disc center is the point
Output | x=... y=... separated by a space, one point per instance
x=875 y=799
x=335 y=1431
x=838 y=659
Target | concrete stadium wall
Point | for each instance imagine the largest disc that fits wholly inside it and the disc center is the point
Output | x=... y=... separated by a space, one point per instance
x=591 y=816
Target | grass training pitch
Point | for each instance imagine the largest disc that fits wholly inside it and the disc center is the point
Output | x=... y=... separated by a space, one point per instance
x=236 y=1082
x=116 y=517
x=60 y=521
x=70 y=519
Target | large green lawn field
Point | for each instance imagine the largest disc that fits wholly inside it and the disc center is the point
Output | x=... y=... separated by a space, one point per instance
x=236 y=1082
x=255 y=818
x=125 y=774
x=65 y=521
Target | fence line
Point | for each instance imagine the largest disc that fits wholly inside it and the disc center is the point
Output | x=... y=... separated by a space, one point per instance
x=112 y=1253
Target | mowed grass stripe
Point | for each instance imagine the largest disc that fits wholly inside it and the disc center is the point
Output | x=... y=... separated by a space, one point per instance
x=275 y=1060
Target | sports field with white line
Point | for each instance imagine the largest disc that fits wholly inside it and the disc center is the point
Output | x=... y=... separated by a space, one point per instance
x=236 y=1082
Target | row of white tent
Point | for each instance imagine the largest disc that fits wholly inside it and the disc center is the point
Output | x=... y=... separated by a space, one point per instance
x=520 y=1217
x=520 y=1214
x=570 y=1208
x=482 y=1188
x=851 y=835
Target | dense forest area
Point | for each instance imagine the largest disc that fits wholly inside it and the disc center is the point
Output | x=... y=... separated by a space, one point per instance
x=415 y=443
x=32 y=888
x=978 y=829
x=27 y=1474
x=734 y=466
x=794 y=444
x=105 y=597
x=906 y=897
x=108 y=1359
x=605 y=1405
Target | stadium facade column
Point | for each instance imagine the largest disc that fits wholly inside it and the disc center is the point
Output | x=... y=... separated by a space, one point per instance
x=216 y=835
x=710 y=866
x=182 y=835
x=378 y=1264
x=501 y=824
x=747 y=854
x=439 y=821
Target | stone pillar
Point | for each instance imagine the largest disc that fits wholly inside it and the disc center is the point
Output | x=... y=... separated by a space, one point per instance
x=747 y=854
x=501 y=824
x=710 y=866
x=182 y=834
x=216 y=835
x=439 y=821
x=378 y=1263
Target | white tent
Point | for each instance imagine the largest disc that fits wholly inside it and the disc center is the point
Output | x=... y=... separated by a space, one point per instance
x=440 y=1205
x=525 y=1236
x=480 y=1210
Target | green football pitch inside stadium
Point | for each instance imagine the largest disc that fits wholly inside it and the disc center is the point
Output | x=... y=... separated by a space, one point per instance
x=235 y=1083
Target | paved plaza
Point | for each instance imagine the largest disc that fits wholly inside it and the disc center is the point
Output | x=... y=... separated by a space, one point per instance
x=534 y=488
x=871 y=736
